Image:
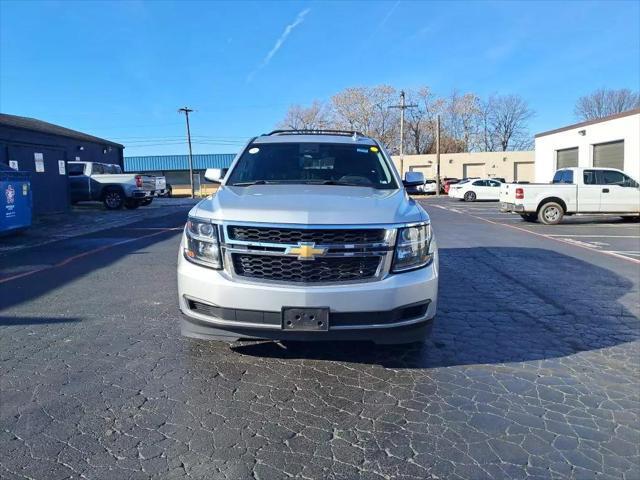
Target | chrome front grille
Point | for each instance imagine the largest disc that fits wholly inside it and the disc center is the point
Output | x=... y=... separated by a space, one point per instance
x=295 y=235
x=314 y=255
x=290 y=269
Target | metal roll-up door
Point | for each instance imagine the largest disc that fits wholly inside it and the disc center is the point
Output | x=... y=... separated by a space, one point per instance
x=470 y=170
x=567 y=158
x=609 y=155
x=523 y=171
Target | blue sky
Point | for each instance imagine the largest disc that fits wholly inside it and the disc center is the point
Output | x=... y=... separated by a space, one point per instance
x=120 y=70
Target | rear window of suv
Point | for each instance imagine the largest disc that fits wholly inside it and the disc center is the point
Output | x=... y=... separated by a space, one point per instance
x=313 y=163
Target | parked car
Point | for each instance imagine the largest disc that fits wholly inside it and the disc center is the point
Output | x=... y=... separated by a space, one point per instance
x=480 y=189
x=311 y=236
x=95 y=181
x=430 y=187
x=447 y=182
x=574 y=191
x=416 y=184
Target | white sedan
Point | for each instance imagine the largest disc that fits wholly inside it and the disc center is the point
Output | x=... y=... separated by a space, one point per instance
x=477 y=189
x=429 y=187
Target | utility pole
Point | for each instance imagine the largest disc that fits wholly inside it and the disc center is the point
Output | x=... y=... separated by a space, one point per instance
x=187 y=111
x=438 y=155
x=403 y=106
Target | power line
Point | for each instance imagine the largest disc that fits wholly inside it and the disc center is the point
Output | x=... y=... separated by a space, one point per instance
x=214 y=142
x=151 y=137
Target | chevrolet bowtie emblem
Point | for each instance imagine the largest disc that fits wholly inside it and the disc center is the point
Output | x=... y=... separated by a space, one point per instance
x=306 y=251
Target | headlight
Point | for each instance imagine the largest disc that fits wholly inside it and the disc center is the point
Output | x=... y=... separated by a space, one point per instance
x=412 y=248
x=202 y=246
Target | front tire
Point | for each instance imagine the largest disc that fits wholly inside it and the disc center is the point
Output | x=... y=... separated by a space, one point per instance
x=551 y=213
x=113 y=200
x=470 y=197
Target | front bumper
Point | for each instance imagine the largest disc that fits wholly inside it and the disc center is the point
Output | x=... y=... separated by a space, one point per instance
x=380 y=311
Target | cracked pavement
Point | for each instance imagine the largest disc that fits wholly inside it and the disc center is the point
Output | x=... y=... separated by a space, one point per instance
x=532 y=371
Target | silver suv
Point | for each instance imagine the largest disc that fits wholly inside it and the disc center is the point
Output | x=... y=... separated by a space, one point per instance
x=311 y=236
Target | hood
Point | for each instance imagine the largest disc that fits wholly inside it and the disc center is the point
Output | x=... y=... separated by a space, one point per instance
x=310 y=204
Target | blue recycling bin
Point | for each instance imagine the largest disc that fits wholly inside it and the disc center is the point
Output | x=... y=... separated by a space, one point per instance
x=15 y=201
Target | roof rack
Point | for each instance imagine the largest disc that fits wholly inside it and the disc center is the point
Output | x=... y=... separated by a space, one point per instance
x=344 y=133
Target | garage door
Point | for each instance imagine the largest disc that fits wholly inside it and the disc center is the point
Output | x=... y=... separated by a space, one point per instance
x=609 y=155
x=567 y=158
x=523 y=172
x=473 y=170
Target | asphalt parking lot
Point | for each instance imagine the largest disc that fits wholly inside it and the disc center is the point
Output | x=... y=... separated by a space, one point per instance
x=532 y=371
x=607 y=234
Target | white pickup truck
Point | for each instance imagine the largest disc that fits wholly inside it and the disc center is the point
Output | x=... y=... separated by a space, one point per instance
x=574 y=191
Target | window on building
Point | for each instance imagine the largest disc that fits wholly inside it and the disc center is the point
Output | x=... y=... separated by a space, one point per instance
x=566 y=158
x=609 y=155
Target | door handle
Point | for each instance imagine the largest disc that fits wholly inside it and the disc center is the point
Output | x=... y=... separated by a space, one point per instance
x=605 y=190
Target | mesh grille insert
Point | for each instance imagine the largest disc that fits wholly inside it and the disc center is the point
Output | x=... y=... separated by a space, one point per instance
x=290 y=269
x=318 y=236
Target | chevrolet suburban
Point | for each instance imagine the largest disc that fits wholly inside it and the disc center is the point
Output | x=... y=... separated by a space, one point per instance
x=311 y=236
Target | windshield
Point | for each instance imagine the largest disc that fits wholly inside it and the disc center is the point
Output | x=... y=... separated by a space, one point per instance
x=313 y=163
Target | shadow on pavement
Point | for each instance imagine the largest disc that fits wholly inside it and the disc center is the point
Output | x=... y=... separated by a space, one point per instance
x=11 y=321
x=68 y=260
x=499 y=305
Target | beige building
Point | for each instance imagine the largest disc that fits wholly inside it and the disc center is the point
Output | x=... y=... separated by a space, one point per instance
x=512 y=166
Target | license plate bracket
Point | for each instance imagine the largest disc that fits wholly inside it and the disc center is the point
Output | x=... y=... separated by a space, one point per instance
x=305 y=319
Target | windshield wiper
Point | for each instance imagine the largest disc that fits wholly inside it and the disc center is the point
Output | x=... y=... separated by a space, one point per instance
x=248 y=184
x=303 y=182
x=266 y=182
x=345 y=184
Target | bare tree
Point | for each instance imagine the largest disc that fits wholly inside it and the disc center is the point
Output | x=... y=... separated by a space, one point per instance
x=604 y=102
x=366 y=109
x=313 y=117
x=461 y=122
x=468 y=122
x=507 y=119
x=421 y=120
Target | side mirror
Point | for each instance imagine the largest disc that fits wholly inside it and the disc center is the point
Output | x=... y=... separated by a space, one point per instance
x=215 y=175
x=413 y=178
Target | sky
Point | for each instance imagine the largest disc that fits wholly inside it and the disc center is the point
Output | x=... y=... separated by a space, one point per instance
x=121 y=69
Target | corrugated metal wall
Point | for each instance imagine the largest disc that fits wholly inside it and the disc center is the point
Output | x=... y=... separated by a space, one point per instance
x=177 y=162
